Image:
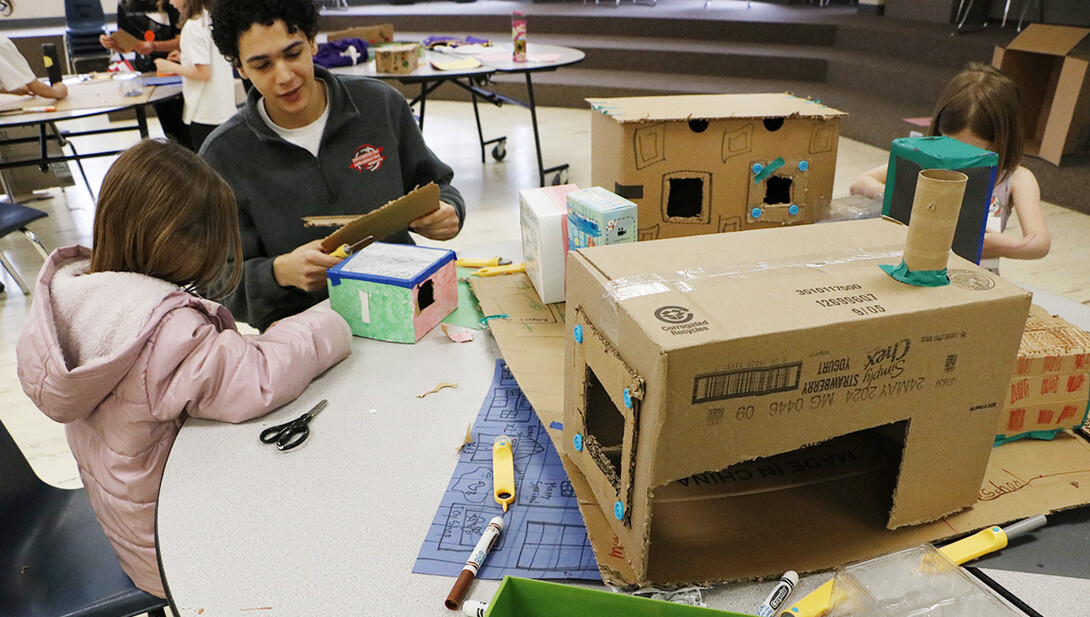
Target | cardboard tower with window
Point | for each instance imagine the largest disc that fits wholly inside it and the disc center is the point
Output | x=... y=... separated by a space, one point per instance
x=698 y=164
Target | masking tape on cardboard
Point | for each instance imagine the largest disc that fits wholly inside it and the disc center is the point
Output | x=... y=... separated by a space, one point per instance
x=685 y=281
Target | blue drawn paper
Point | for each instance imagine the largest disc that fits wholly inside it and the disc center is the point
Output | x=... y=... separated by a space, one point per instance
x=544 y=535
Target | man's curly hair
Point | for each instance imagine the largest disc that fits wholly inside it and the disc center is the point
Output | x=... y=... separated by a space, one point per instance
x=232 y=18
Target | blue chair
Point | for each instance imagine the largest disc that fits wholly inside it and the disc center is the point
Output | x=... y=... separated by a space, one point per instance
x=84 y=22
x=55 y=561
x=14 y=217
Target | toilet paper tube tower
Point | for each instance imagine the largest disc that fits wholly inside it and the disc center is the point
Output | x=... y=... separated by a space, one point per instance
x=931 y=228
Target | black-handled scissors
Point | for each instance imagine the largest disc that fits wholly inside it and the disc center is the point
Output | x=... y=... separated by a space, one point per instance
x=290 y=434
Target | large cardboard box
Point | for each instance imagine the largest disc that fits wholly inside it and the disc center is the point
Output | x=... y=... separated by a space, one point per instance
x=698 y=164
x=701 y=372
x=1049 y=64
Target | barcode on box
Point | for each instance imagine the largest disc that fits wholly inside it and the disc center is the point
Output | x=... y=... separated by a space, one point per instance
x=746 y=382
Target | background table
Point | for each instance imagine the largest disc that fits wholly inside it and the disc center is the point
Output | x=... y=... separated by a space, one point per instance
x=46 y=123
x=335 y=526
x=497 y=59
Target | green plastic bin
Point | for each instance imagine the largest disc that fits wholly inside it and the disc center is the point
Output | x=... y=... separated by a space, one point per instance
x=523 y=597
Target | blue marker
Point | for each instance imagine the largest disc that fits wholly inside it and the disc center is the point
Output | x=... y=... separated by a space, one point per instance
x=779 y=594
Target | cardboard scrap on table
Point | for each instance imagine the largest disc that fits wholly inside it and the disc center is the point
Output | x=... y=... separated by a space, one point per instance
x=391 y=218
x=1023 y=478
x=380 y=33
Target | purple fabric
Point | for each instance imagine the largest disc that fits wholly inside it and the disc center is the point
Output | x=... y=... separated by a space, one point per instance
x=343 y=52
x=454 y=41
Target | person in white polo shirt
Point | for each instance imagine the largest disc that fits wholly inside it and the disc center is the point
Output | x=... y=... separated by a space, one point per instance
x=15 y=74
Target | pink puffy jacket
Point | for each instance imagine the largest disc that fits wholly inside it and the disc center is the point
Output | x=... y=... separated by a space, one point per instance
x=123 y=358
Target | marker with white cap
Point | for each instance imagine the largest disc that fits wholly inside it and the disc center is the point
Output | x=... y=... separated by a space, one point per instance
x=779 y=594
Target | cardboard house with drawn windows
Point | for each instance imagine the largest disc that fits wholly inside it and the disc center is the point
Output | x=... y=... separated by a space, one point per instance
x=698 y=164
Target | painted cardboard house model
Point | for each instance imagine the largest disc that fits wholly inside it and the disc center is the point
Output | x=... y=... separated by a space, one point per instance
x=698 y=164
x=394 y=292
x=597 y=217
x=1050 y=389
x=718 y=388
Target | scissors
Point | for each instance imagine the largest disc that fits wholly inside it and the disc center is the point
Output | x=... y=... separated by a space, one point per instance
x=290 y=434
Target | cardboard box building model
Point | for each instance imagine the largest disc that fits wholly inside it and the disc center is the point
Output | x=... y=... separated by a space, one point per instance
x=698 y=164
x=1050 y=388
x=693 y=401
x=394 y=292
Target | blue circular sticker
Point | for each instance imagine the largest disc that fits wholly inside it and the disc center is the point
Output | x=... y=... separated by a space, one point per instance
x=803 y=165
x=578 y=334
x=618 y=510
x=578 y=442
x=756 y=213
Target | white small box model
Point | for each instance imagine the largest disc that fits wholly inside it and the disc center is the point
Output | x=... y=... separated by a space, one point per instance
x=544 y=216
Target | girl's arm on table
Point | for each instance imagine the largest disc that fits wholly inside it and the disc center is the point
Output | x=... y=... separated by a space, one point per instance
x=871 y=184
x=1026 y=203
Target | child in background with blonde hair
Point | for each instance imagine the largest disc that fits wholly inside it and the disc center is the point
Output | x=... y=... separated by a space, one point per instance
x=981 y=106
x=119 y=347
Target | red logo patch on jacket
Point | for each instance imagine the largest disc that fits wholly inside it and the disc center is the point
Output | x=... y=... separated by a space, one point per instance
x=367 y=157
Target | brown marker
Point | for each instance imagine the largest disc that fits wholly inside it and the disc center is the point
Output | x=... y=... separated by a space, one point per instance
x=469 y=571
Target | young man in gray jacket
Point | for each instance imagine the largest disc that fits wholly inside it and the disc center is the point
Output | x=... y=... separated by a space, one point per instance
x=309 y=143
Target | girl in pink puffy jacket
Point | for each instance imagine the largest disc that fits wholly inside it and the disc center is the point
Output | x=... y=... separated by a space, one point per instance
x=120 y=348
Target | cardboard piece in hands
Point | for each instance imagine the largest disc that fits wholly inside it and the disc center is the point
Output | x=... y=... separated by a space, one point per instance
x=386 y=221
x=125 y=41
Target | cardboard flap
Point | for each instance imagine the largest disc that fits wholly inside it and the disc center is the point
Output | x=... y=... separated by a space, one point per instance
x=124 y=40
x=381 y=33
x=710 y=107
x=387 y=220
x=1046 y=39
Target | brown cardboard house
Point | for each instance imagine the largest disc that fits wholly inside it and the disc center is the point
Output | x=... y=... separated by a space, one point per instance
x=722 y=391
x=698 y=164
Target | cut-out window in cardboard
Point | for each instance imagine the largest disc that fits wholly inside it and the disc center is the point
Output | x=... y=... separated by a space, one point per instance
x=698 y=126
x=605 y=429
x=822 y=138
x=649 y=144
x=778 y=190
x=772 y=124
x=425 y=296
x=737 y=142
x=686 y=197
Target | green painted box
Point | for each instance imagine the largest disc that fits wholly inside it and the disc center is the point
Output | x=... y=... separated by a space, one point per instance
x=523 y=597
x=909 y=155
x=394 y=292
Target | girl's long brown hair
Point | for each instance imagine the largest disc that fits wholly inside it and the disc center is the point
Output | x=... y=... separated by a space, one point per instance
x=985 y=101
x=164 y=212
